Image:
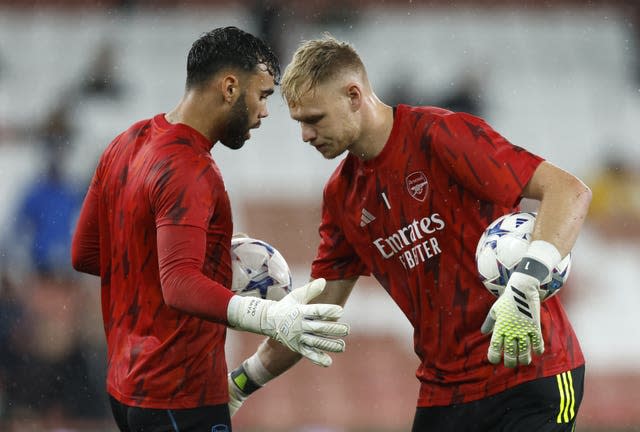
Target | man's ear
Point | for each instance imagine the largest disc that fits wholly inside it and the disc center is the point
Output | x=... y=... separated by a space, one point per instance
x=354 y=93
x=230 y=88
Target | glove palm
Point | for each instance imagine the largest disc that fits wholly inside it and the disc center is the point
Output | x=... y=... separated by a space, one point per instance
x=515 y=321
x=308 y=329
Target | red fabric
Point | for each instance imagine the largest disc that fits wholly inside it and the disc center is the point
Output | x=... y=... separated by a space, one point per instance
x=85 y=247
x=181 y=250
x=412 y=218
x=158 y=209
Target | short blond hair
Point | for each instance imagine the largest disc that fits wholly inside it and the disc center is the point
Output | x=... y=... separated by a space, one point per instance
x=315 y=62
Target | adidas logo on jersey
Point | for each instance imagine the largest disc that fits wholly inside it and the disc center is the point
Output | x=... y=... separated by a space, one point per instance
x=366 y=217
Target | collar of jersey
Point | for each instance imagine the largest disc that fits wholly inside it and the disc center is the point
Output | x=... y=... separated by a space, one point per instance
x=198 y=139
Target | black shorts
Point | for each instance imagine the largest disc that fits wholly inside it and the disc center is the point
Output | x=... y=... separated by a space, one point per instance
x=543 y=405
x=213 y=418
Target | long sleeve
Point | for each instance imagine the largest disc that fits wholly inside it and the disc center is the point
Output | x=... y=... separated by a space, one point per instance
x=85 y=246
x=181 y=252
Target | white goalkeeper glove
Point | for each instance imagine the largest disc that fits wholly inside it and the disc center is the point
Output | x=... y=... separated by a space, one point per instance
x=515 y=317
x=250 y=376
x=308 y=329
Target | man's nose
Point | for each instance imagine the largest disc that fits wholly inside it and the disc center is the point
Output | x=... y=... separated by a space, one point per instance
x=308 y=133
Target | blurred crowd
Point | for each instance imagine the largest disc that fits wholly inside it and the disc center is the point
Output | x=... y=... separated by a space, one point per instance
x=51 y=342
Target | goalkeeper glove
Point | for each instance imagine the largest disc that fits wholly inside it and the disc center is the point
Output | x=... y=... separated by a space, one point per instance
x=515 y=317
x=250 y=376
x=237 y=395
x=308 y=329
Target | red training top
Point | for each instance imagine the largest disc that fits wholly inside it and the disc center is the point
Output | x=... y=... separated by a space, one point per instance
x=412 y=217
x=156 y=226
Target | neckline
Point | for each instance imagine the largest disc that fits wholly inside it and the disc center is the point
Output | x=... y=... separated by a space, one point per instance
x=202 y=140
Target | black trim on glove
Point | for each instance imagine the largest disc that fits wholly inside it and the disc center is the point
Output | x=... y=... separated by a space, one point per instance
x=533 y=267
x=243 y=381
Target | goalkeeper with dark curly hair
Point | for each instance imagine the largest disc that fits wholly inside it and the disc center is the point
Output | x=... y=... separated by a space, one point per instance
x=156 y=227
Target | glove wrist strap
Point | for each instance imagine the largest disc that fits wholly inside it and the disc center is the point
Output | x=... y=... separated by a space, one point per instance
x=544 y=252
x=242 y=380
x=533 y=267
x=251 y=375
x=540 y=259
x=256 y=370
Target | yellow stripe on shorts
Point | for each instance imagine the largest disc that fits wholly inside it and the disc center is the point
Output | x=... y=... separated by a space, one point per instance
x=566 y=413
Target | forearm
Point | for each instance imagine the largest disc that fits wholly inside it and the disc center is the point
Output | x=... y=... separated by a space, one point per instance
x=189 y=291
x=564 y=203
x=336 y=291
x=269 y=361
x=276 y=358
x=181 y=252
x=560 y=223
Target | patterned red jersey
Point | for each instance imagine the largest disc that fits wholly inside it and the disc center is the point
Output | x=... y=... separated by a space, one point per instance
x=155 y=175
x=412 y=218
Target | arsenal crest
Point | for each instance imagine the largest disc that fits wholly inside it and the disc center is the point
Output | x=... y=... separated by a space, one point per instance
x=418 y=185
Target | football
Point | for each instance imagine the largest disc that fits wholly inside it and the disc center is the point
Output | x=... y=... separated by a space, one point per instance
x=503 y=244
x=259 y=270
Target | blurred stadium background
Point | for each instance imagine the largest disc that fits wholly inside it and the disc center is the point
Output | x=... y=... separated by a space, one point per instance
x=560 y=78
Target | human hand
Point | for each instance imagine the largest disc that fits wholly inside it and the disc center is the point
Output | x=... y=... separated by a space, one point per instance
x=308 y=329
x=515 y=321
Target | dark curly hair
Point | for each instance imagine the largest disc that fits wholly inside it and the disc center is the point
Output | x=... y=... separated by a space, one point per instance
x=228 y=47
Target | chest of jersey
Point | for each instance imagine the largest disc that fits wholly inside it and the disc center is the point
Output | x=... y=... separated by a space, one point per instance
x=396 y=213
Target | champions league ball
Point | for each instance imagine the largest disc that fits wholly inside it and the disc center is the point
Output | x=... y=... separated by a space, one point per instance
x=502 y=246
x=259 y=270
